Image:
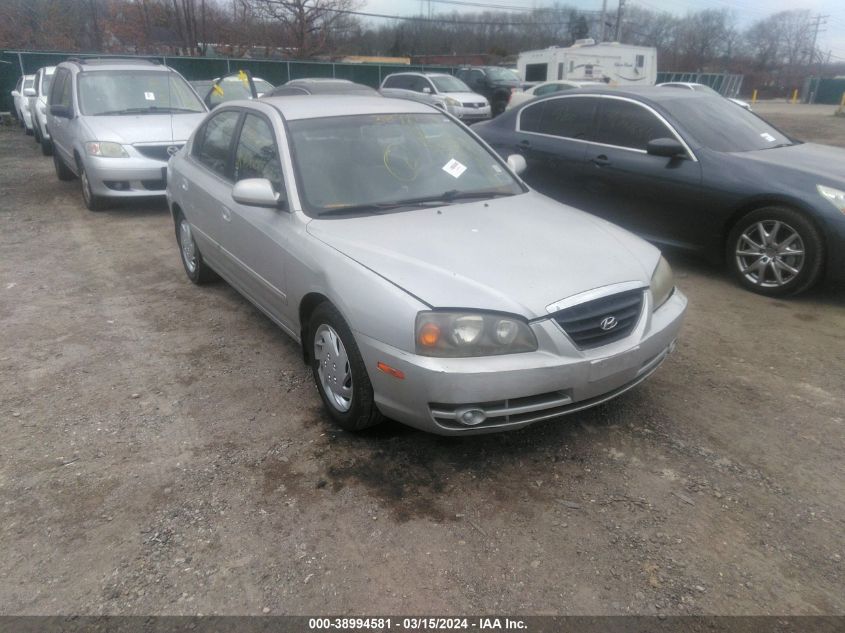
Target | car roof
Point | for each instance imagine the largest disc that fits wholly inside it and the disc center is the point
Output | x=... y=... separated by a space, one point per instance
x=654 y=94
x=318 y=106
x=318 y=80
x=94 y=65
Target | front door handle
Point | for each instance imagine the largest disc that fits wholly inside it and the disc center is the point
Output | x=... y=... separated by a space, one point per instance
x=184 y=185
x=525 y=143
x=227 y=214
x=601 y=160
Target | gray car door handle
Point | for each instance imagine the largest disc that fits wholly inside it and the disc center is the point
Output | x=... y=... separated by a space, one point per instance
x=184 y=184
x=601 y=160
x=227 y=214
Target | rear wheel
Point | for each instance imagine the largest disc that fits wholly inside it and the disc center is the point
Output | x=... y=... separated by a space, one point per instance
x=339 y=371
x=776 y=251
x=195 y=267
x=36 y=133
x=46 y=146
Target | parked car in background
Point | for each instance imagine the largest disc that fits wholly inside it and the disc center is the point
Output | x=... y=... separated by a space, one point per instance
x=685 y=85
x=545 y=88
x=494 y=82
x=423 y=279
x=440 y=90
x=691 y=170
x=38 y=108
x=22 y=93
x=116 y=122
x=321 y=86
x=232 y=87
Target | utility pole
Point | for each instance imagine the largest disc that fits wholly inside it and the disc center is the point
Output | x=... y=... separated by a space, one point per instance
x=619 y=20
x=603 y=28
x=818 y=22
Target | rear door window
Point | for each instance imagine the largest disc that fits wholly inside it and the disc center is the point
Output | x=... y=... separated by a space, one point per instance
x=627 y=124
x=215 y=144
x=569 y=118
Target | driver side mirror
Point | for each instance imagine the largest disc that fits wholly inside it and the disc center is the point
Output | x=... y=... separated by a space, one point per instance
x=257 y=192
x=668 y=147
x=60 y=110
x=426 y=90
x=29 y=92
x=517 y=163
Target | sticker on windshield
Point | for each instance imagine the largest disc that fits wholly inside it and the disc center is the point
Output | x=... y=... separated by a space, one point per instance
x=454 y=168
x=149 y=96
x=768 y=137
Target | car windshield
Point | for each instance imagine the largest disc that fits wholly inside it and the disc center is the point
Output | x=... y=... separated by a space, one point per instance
x=446 y=83
x=374 y=162
x=718 y=124
x=502 y=74
x=46 y=80
x=116 y=92
x=262 y=86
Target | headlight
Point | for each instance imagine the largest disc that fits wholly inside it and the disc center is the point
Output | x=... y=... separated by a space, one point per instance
x=451 y=101
x=106 y=149
x=462 y=334
x=834 y=196
x=662 y=283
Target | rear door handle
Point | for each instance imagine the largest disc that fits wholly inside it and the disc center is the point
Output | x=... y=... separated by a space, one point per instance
x=525 y=143
x=184 y=184
x=227 y=214
x=601 y=160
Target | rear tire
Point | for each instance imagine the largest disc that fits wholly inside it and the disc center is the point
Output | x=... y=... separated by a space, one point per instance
x=195 y=267
x=339 y=371
x=46 y=146
x=776 y=251
x=63 y=172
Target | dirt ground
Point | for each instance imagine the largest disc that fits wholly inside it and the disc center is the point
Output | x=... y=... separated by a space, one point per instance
x=164 y=451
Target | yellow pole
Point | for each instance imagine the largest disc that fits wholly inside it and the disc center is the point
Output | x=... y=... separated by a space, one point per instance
x=754 y=96
x=795 y=96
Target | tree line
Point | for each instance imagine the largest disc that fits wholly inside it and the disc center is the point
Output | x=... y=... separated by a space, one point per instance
x=777 y=51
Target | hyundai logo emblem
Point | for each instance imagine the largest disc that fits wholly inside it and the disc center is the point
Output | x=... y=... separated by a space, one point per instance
x=608 y=323
x=172 y=149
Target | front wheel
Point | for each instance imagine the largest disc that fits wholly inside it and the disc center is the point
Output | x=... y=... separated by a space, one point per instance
x=46 y=146
x=776 y=251
x=339 y=371
x=63 y=172
x=92 y=201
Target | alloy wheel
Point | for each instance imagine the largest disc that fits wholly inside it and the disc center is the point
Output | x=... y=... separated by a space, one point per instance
x=188 y=246
x=770 y=253
x=333 y=368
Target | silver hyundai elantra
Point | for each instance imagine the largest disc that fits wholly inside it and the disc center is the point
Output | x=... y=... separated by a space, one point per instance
x=424 y=280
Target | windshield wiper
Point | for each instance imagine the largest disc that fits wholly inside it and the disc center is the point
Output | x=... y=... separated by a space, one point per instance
x=147 y=110
x=446 y=196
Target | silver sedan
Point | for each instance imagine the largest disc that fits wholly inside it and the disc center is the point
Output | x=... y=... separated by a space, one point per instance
x=424 y=280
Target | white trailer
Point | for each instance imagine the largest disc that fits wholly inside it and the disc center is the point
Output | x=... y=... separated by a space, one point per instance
x=611 y=62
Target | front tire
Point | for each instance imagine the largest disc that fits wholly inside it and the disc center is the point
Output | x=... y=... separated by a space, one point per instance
x=339 y=371
x=46 y=146
x=92 y=200
x=195 y=267
x=776 y=251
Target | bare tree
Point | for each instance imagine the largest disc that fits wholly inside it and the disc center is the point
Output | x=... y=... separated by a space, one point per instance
x=305 y=26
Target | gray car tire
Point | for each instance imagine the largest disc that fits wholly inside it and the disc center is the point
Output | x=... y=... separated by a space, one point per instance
x=63 y=172
x=192 y=260
x=362 y=412
x=91 y=200
x=790 y=226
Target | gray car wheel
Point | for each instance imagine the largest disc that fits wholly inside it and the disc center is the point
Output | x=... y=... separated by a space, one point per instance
x=92 y=201
x=195 y=267
x=339 y=371
x=776 y=251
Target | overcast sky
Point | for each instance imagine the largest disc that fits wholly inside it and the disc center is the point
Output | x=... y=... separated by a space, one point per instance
x=747 y=11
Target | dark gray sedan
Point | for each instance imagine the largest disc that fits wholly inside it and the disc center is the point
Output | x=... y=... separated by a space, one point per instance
x=690 y=170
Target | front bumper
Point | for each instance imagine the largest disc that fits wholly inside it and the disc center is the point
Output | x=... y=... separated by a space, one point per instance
x=471 y=115
x=131 y=177
x=516 y=390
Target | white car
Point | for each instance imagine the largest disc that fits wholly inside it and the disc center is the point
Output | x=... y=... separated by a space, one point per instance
x=519 y=97
x=440 y=90
x=688 y=85
x=22 y=92
x=38 y=108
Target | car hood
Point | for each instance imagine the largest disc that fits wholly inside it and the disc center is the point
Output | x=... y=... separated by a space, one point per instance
x=466 y=97
x=143 y=128
x=808 y=158
x=516 y=254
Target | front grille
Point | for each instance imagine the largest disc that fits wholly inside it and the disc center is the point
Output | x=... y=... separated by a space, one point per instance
x=158 y=152
x=583 y=323
x=474 y=105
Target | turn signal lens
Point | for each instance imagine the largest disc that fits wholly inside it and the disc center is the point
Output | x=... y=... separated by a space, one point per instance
x=429 y=334
x=391 y=371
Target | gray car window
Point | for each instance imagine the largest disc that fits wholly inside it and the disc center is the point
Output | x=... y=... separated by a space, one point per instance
x=256 y=155
x=63 y=94
x=107 y=92
x=216 y=141
x=568 y=118
x=627 y=124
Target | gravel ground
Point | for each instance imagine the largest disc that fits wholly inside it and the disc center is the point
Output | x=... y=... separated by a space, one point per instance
x=164 y=452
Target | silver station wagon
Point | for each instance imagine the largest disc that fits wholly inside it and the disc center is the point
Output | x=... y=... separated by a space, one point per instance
x=425 y=281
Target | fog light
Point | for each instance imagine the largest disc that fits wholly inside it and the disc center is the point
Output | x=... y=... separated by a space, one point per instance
x=471 y=417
